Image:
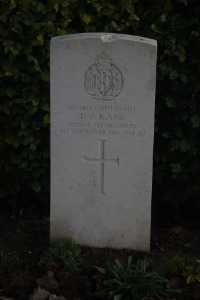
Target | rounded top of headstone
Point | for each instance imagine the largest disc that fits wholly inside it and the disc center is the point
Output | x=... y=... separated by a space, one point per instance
x=105 y=37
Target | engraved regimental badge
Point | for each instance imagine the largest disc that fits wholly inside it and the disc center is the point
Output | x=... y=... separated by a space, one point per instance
x=103 y=80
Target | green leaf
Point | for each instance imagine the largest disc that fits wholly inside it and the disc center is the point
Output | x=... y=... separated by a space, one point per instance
x=8 y=139
x=33 y=147
x=190 y=279
x=129 y=6
x=29 y=21
x=184 y=78
x=163 y=18
x=97 y=7
x=45 y=75
x=36 y=125
x=65 y=3
x=197 y=270
x=61 y=31
x=46 y=119
x=189 y=269
x=36 y=186
x=180 y=52
x=155 y=28
x=10 y=91
x=32 y=110
x=198 y=277
x=195 y=120
x=184 y=145
x=174 y=145
x=163 y=67
x=170 y=102
x=46 y=107
x=56 y=7
x=175 y=168
x=16 y=143
x=13 y=4
x=6 y=109
x=35 y=102
x=87 y=18
x=40 y=39
x=174 y=74
x=23 y=124
x=118 y=297
x=115 y=26
x=184 y=2
x=24 y=164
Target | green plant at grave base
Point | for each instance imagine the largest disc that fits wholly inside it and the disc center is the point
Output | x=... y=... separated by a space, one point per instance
x=7 y=260
x=66 y=251
x=176 y=264
x=192 y=273
x=139 y=283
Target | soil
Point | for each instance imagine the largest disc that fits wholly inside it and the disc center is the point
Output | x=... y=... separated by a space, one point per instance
x=26 y=235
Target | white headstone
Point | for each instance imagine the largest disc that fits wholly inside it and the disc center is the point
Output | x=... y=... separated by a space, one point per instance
x=102 y=124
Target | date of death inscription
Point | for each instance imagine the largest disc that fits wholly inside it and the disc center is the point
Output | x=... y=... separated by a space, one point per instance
x=101 y=120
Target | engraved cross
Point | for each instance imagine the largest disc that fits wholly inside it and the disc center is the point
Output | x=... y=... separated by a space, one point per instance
x=102 y=161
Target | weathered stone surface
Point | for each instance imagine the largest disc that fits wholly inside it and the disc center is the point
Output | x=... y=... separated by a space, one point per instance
x=102 y=123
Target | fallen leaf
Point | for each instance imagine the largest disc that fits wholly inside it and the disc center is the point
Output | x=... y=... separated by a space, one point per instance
x=39 y=294
x=101 y=270
x=55 y=297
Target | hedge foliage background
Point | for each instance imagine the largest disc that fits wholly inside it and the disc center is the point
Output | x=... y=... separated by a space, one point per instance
x=26 y=28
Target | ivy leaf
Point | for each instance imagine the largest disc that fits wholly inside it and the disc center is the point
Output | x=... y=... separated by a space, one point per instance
x=184 y=145
x=36 y=186
x=195 y=120
x=56 y=7
x=115 y=26
x=180 y=52
x=198 y=277
x=46 y=107
x=170 y=102
x=184 y=78
x=87 y=18
x=174 y=74
x=65 y=3
x=129 y=6
x=174 y=145
x=16 y=143
x=23 y=124
x=155 y=28
x=40 y=39
x=118 y=297
x=46 y=119
x=175 y=168
x=61 y=31
x=184 y=2
x=190 y=279
x=24 y=164
x=163 y=18
x=163 y=67
x=29 y=21
x=33 y=147
x=97 y=7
